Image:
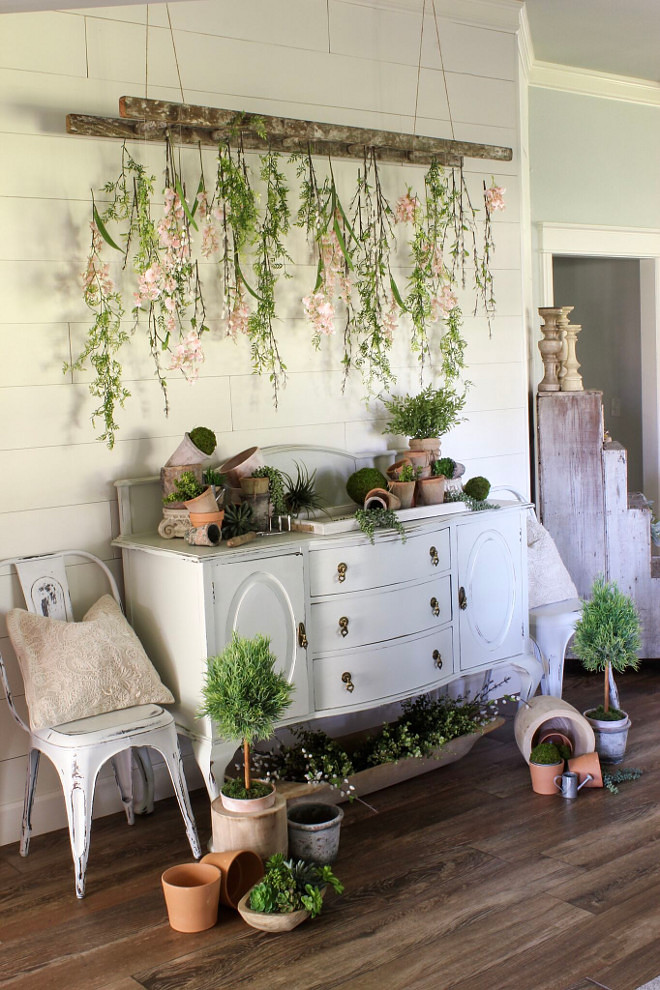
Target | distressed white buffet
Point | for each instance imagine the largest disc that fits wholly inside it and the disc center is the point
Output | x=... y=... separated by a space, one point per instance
x=355 y=625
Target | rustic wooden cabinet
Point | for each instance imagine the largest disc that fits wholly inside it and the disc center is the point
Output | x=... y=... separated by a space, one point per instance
x=354 y=625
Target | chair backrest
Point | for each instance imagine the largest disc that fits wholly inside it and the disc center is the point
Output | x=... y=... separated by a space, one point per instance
x=45 y=588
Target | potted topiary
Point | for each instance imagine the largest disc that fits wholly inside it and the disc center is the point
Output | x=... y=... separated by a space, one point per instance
x=425 y=417
x=545 y=763
x=290 y=892
x=607 y=638
x=246 y=697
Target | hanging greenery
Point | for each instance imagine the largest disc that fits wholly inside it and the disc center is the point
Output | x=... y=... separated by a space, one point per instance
x=353 y=253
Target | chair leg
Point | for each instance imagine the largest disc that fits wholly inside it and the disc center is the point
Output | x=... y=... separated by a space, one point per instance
x=145 y=771
x=78 y=782
x=30 y=787
x=172 y=756
x=122 y=765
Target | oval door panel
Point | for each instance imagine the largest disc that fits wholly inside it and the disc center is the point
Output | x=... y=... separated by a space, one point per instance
x=261 y=605
x=489 y=581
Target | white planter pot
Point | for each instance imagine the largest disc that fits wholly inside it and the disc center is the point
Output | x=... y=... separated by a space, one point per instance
x=611 y=737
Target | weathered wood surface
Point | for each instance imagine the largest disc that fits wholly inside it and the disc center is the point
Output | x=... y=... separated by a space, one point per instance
x=153 y=120
x=571 y=500
x=462 y=878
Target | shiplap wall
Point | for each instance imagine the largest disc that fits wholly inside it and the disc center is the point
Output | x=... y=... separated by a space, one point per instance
x=354 y=63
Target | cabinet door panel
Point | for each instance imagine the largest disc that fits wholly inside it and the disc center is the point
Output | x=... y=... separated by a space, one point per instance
x=491 y=620
x=266 y=596
x=361 y=566
x=374 y=617
x=357 y=678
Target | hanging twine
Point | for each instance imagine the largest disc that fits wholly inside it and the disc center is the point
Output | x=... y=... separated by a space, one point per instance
x=419 y=66
x=442 y=66
x=176 y=60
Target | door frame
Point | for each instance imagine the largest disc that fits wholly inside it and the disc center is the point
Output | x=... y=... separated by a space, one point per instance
x=581 y=240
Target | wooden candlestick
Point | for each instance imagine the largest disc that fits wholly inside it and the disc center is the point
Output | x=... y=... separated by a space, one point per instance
x=550 y=348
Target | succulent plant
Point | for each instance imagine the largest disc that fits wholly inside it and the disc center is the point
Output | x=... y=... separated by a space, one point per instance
x=238 y=519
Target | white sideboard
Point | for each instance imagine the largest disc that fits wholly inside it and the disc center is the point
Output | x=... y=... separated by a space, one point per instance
x=354 y=625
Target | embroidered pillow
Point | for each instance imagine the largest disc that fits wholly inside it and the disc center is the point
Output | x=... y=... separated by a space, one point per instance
x=75 y=669
x=549 y=580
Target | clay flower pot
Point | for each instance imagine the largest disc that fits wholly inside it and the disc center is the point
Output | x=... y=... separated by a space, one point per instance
x=270 y=922
x=429 y=444
x=430 y=491
x=393 y=470
x=205 y=502
x=380 y=498
x=254 y=486
x=241 y=466
x=203 y=518
x=543 y=776
x=191 y=893
x=420 y=459
x=186 y=453
x=587 y=765
x=558 y=738
x=170 y=473
x=239 y=869
x=404 y=491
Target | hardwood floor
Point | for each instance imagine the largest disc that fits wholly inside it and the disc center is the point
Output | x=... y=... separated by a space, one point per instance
x=462 y=879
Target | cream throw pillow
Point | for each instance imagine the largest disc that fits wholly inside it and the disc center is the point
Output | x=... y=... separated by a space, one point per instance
x=75 y=669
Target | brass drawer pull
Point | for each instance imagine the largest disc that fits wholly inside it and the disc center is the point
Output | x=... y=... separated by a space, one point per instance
x=302 y=636
x=462 y=599
x=437 y=657
x=434 y=605
x=343 y=625
x=346 y=679
x=433 y=554
x=341 y=572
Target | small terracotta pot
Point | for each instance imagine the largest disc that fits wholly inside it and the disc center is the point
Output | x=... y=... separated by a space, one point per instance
x=203 y=518
x=202 y=503
x=240 y=869
x=380 y=498
x=588 y=763
x=191 y=894
x=249 y=806
x=430 y=491
x=558 y=738
x=421 y=459
x=431 y=444
x=543 y=776
x=241 y=466
x=393 y=470
x=404 y=491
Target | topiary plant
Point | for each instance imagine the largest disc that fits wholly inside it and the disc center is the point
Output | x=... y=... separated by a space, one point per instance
x=204 y=439
x=477 y=488
x=361 y=483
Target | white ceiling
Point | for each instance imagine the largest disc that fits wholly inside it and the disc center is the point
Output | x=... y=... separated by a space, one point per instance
x=621 y=37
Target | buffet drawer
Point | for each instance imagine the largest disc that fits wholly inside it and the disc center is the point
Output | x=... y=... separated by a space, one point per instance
x=347 y=621
x=358 y=567
x=357 y=678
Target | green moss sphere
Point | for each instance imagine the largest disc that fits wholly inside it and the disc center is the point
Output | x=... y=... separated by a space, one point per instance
x=477 y=488
x=361 y=482
x=204 y=439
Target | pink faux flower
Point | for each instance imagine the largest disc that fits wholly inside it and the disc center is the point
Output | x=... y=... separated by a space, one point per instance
x=187 y=355
x=444 y=302
x=495 y=198
x=320 y=312
x=437 y=260
x=237 y=322
x=406 y=207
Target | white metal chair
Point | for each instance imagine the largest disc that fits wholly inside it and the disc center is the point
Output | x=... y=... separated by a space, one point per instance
x=551 y=627
x=78 y=749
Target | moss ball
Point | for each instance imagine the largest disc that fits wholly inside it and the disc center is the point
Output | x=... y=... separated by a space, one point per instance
x=204 y=439
x=361 y=482
x=477 y=488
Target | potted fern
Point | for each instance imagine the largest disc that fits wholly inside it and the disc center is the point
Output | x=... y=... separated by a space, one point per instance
x=425 y=417
x=607 y=638
x=246 y=696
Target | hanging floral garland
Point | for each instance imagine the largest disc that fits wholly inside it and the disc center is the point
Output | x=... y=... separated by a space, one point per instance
x=354 y=280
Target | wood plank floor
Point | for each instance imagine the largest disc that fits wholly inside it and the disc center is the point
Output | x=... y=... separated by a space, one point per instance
x=462 y=879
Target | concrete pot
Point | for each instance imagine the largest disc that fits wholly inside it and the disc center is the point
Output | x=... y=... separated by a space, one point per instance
x=314 y=831
x=544 y=712
x=186 y=453
x=611 y=738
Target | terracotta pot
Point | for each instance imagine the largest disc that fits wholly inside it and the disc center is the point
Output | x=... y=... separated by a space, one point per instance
x=249 y=806
x=380 y=498
x=585 y=765
x=191 y=892
x=393 y=470
x=254 y=486
x=239 y=869
x=430 y=444
x=270 y=922
x=404 y=491
x=422 y=460
x=203 y=518
x=558 y=738
x=202 y=503
x=430 y=491
x=186 y=453
x=543 y=776
x=611 y=737
x=241 y=466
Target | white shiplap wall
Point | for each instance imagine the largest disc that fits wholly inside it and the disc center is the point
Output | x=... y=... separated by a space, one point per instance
x=335 y=61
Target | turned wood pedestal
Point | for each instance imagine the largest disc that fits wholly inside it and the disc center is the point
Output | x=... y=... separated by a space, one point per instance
x=264 y=832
